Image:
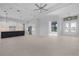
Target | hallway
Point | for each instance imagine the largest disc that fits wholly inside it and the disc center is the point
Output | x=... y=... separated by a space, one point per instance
x=39 y=46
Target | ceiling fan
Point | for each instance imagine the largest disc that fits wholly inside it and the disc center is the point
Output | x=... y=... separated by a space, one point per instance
x=41 y=7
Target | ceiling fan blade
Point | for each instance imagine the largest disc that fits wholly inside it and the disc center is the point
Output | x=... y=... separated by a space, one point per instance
x=37 y=5
x=44 y=5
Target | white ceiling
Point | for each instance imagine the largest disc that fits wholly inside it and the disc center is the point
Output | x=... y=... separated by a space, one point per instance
x=27 y=10
x=72 y=9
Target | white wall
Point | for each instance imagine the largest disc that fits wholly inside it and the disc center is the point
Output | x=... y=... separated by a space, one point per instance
x=43 y=24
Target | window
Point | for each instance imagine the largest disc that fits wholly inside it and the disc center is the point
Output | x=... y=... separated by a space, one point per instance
x=70 y=26
x=70 y=18
x=66 y=27
x=54 y=26
x=73 y=27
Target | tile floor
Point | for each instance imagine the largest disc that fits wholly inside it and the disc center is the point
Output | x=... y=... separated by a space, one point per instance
x=39 y=46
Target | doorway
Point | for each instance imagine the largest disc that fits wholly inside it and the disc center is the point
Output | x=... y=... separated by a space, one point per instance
x=30 y=30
